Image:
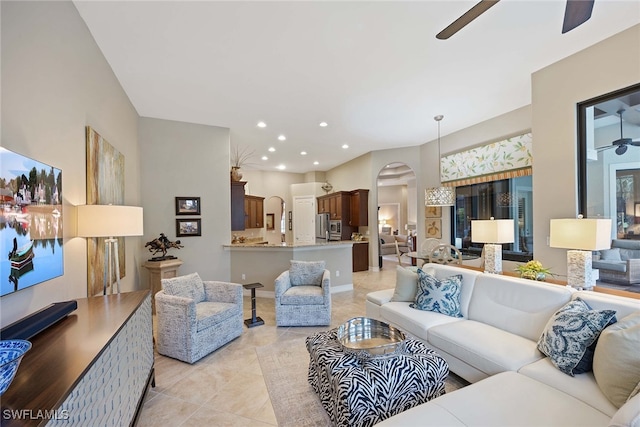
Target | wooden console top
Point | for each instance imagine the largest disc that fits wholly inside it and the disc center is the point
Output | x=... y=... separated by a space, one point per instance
x=61 y=355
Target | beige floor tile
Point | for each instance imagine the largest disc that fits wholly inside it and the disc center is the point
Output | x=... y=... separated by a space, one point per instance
x=226 y=388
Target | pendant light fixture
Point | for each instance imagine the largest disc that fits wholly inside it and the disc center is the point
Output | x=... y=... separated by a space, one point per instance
x=439 y=196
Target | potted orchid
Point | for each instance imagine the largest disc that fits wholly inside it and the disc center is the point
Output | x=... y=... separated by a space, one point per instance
x=533 y=270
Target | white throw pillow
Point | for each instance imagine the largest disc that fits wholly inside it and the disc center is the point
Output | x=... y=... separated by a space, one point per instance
x=628 y=415
x=406 y=285
x=616 y=361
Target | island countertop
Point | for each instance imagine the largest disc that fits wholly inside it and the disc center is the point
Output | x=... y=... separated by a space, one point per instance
x=319 y=245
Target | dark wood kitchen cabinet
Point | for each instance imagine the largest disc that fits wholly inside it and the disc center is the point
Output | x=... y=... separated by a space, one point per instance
x=360 y=258
x=336 y=204
x=254 y=211
x=237 y=205
x=359 y=201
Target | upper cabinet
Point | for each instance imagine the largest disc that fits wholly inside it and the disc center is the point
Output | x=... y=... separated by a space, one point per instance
x=237 y=205
x=352 y=207
x=336 y=204
x=254 y=211
x=359 y=208
x=246 y=211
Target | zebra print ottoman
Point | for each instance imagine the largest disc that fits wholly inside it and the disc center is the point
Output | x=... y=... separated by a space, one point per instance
x=357 y=389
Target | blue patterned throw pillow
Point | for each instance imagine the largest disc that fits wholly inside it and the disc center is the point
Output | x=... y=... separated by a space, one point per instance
x=570 y=337
x=441 y=296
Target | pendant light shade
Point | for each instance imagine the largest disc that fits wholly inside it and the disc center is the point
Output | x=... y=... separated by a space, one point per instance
x=439 y=196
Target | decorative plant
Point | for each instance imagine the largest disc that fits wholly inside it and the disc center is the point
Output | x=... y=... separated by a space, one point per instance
x=533 y=270
x=240 y=156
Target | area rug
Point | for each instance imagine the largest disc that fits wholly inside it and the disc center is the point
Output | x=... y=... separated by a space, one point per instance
x=294 y=402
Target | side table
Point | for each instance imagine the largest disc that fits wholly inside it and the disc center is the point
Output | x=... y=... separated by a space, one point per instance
x=254 y=321
x=159 y=270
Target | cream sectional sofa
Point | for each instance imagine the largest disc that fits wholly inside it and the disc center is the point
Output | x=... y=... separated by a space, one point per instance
x=494 y=346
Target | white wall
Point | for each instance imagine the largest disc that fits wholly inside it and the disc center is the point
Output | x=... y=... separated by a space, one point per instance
x=604 y=67
x=184 y=159
x=55 y=82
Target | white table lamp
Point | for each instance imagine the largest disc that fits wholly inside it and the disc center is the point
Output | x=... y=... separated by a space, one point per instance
x=109 y=221
x=492 y=232
x=581 y=235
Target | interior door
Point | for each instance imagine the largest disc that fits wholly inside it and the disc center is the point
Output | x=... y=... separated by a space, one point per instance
x=304 y=219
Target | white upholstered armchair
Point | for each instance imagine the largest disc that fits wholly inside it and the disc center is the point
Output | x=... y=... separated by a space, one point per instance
x=196 y=317
x=303 y=295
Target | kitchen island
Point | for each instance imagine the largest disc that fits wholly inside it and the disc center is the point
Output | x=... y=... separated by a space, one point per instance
x=256 y=262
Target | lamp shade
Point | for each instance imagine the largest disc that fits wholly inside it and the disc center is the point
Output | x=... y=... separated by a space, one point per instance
x=109 y=221
x=439 y=196
x=590 y=234
x=492 y=231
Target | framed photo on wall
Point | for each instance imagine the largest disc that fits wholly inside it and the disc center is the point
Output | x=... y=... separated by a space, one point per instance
x=188 y=227
x=270 y=219
x=433 y=228
x=433 y=211
x=187 y=205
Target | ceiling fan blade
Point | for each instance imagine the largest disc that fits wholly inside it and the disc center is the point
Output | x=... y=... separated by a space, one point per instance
x=622 y=141
x=576 y=13
x=466 y=18
x=635 y=142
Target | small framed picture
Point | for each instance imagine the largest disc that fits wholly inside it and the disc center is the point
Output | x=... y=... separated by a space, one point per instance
x=188 y=227
x=432 y=211
x=433 y=228
x=187 y=205
x=290 y=216
x=290 y=224
x=270 y=218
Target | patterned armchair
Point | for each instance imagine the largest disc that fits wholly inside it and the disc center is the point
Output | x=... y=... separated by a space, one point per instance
x=303 y=295
x=196 y=317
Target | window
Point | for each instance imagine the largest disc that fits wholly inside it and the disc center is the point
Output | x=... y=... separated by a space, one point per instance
x=502 y=199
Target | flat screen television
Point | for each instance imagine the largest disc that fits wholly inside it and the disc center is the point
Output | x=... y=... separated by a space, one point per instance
x=30 y=222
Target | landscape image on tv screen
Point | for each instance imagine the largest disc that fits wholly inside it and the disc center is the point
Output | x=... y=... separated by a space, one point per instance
x=30 y=222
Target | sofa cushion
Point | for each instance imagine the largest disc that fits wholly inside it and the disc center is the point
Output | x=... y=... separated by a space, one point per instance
x=612 y=254
x=415 y=322
x=442 y=296
x=569 y=334
x=601 y=301
x=489 y=349
x=506 y=399
x=187 y=286
x=407 y=284
x=303 y=295
x=620 y=266
x=616 y=362
x=627 y=254
x=583 y=386
x=516 y=305
x=628 y=415
x=304 y=273
x=209 y=313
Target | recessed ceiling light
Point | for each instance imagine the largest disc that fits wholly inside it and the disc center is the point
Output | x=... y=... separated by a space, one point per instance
x=262 y=125
x=303 y=153
x=271 y=149
x=345 y=146
x=281 y=167
x=282 y=138
x=316 y=163
x=265 y=158
x=324 y=124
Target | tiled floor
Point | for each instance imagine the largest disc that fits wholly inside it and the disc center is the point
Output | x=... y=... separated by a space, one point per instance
x=226 y=388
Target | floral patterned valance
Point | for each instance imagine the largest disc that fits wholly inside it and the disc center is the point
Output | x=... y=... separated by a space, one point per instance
x=495 y=158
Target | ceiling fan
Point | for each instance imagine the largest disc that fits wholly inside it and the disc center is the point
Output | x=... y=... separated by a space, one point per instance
x=576 y=13
x=623 y=143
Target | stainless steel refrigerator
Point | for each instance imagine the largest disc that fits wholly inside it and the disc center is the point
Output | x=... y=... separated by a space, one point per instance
x=322 y=226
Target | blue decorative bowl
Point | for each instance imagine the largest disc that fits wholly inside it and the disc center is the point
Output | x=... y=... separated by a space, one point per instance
x=11 y=352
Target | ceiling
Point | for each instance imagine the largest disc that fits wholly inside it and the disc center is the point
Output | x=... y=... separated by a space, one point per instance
x=373 y=71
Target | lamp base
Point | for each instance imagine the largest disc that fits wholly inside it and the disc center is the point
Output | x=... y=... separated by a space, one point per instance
x=492 y=258
x=580 y=274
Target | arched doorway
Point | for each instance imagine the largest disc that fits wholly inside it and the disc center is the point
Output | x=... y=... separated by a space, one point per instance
x=397 y=211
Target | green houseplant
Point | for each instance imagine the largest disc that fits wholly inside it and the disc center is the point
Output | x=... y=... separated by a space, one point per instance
x=533 y=270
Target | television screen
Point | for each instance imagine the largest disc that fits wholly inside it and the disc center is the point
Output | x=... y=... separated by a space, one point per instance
x=30 y=222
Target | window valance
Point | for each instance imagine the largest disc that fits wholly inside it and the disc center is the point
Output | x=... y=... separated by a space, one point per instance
x=504 y=159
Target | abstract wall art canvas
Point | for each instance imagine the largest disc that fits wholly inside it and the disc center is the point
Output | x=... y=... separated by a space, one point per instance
x=105 y=185
x=30 y=222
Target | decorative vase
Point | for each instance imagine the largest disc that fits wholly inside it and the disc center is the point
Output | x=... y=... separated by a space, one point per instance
x=236 y=175
x=533 y=275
